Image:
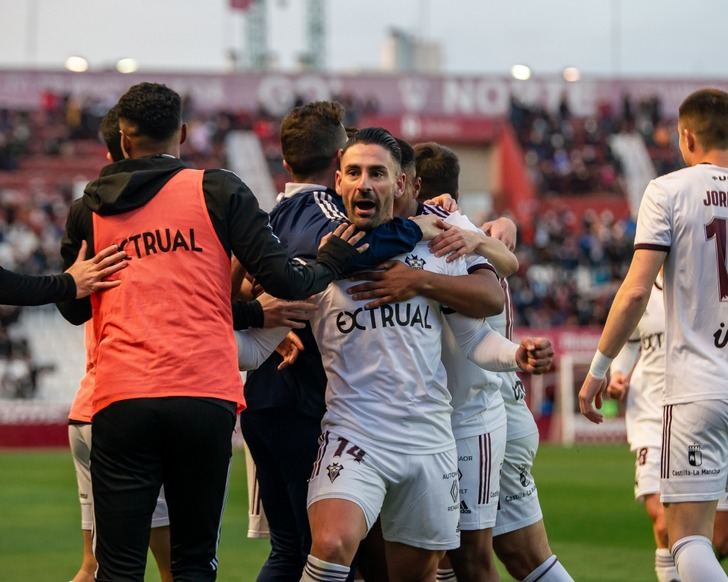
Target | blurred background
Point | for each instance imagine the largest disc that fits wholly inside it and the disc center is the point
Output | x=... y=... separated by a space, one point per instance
x=560 y=112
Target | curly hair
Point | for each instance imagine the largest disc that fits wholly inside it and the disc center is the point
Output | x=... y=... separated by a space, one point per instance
x=152 y=109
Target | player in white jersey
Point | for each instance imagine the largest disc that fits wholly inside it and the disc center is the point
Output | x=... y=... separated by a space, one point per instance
x=478 y=420
x=387 y=443
x=683 y=223
x=638 y=373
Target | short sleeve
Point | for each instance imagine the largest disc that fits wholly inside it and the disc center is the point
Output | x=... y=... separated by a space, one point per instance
x=473 y=261
x=654 y=222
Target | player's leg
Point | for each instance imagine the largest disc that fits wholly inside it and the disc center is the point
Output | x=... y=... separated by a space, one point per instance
x=159 y=541
x=257 y=520
x=409 y=564
x=345 y=495
x=720 y=529
x=665 y=569
x=161 y=548
x=520 y=540
x=79 y=438
x=371 y=558
x=283 y=461
x=196 y=442
x=445 y=573
x=647 y=490
x=480 y=459
x=420 y=515
x=474 y=560
x=126 y=475
x=693 y=480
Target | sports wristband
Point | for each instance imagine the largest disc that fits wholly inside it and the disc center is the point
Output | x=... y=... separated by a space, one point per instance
x=599 y=366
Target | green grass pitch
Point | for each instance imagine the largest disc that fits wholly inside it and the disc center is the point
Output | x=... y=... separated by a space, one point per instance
x=594 y=525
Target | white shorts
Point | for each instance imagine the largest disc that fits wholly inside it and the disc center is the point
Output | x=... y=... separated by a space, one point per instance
x=694 y=451
x=723 y=504
x=518 y=506
x=79 y=437
x=647 y=472
x=480 y=459
x=257 y=521
x=415 y=496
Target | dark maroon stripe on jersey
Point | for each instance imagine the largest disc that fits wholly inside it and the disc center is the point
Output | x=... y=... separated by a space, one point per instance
x=489 y=468
x=481 y=266
x=433 y=209
x=666 y=434
x=651 y=247
x=481 y=473
x=320 y=455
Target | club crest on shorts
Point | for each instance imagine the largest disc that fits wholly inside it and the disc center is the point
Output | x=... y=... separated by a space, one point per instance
x=695 y=455
x=415 y=262
x=525 y=481
x=334 y=470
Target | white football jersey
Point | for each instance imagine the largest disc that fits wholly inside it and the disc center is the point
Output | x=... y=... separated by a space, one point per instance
x=476 y=397
x=520 y=419
x=686 y=214
x=647 y=384
x=386 y=382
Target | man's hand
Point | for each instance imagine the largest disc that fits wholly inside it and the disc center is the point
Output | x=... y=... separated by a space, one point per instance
x=455 y=242
x=618 y=385
x=280 y=313
x=89 y=275
x=395 y=282
x=444 y=201
x=289 y=349
x=590 y=395
x=503 y=229
x=535 y=355
x=429 y=224
x=348 y=233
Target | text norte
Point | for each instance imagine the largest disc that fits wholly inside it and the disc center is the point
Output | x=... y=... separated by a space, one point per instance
x=399 y=314
x=161 y=241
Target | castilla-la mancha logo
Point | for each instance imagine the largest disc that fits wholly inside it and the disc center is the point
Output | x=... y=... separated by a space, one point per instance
x=695 y=456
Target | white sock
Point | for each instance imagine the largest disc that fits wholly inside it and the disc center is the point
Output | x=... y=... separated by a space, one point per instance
x=665 y=566
x=446 y=575
x=320 y=571
x=550 y=570
x=695 y=560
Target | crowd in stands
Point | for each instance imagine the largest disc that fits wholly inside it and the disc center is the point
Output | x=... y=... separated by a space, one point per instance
x=570 y=155
x=569 y=271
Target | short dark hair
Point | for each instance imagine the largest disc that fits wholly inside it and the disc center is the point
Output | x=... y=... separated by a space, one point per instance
x=439 y=169
x=153 y=109
x=109 y=130
x=311 y=136
x=376 y=136
x=705 y=112
x=408 y=156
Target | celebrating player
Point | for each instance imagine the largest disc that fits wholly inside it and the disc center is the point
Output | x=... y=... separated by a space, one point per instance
x=387 y=445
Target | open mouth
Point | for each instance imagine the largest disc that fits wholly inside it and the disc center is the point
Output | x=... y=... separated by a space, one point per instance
x=365 y=208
